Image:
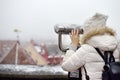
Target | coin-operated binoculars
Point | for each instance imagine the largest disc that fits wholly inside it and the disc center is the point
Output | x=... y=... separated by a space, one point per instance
x=65 y=30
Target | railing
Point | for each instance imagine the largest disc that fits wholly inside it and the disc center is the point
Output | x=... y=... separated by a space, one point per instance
x=32 y=71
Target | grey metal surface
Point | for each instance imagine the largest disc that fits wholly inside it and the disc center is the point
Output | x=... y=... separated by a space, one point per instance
x=31 y=70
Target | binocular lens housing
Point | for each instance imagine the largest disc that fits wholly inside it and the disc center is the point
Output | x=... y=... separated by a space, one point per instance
x=66 y=30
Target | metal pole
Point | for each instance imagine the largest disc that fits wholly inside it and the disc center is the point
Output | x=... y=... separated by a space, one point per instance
x=16 y=55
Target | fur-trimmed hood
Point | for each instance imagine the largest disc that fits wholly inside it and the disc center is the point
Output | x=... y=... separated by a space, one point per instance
x=100 y=37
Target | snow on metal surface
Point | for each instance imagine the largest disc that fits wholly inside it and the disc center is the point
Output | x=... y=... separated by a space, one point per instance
x=31 y=70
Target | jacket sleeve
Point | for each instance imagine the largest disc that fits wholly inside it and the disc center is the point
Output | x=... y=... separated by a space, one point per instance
x=71 y=50
x=118 y=49
x=74 y=60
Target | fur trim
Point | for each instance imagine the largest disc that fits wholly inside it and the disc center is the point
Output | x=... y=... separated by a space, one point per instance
x=96 y=31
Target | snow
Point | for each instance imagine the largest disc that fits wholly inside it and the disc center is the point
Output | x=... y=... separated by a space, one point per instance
x=31 y=70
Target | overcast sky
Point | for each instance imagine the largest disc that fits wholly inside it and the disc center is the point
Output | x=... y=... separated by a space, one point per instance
x=36 y=18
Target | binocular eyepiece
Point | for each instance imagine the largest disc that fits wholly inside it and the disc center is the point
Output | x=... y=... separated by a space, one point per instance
x=66 y=30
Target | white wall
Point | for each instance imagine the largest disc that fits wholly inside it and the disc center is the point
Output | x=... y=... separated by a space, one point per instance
x=36 y=18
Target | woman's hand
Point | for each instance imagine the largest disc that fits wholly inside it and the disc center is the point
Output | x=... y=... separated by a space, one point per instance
x=74 y=35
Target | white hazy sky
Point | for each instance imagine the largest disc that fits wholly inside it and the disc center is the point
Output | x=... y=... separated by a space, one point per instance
x=36 y=18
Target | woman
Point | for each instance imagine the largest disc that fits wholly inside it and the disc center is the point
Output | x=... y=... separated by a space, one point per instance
x=101 y=37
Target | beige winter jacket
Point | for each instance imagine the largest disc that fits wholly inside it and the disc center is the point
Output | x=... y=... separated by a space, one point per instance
x=99 y=37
